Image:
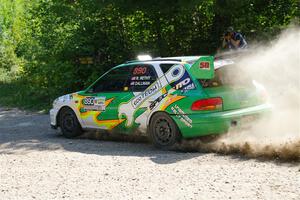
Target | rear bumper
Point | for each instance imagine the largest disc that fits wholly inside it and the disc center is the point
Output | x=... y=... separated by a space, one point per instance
x=218 y=122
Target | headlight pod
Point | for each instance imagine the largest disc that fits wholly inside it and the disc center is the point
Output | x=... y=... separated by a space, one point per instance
x=55 y=102
x=62 y=99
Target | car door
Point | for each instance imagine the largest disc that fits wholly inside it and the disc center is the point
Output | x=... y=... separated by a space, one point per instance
x=144 y=85
x=101 y=101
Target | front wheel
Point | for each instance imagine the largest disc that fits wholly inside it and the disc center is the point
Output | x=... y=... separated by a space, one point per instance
x=69 y=124
x=163 y=131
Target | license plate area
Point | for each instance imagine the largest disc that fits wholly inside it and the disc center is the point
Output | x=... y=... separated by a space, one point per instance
x=244 y=122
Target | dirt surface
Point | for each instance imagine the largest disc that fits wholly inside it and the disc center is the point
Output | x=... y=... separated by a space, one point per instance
x=38 y=163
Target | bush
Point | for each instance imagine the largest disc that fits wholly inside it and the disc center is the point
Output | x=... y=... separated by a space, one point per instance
x=43 y=42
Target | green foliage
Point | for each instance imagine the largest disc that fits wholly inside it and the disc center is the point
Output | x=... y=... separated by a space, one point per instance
x=42 y=42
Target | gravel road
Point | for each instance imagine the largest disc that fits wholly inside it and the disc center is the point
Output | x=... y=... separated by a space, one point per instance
x=38 y=163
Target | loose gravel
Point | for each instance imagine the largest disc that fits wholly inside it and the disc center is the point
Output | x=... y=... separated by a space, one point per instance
x=38 y=163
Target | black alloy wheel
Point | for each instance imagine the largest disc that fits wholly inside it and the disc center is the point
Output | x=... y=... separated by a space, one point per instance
x=163 y=131
x=69 y=124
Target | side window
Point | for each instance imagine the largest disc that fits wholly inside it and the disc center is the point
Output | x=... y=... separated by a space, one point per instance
x=142 y=76
x=179 y=79
x=116 y=80
x=165 y=67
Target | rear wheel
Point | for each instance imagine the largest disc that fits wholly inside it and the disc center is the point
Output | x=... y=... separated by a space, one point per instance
x=69 y=124
x=163 y=131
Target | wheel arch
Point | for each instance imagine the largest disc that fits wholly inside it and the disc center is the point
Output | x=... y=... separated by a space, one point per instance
x=59 y=113
x=152 y=114
x=160 y=111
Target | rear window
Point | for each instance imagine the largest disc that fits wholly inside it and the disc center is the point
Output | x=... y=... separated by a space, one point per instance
x=165 y=67
x=178 y=79
x=230 y=75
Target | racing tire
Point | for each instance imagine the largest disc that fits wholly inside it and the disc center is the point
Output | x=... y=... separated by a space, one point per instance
x=69 y=123
x=163 y=131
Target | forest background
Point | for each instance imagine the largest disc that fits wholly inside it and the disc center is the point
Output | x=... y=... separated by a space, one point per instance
x=53 y=47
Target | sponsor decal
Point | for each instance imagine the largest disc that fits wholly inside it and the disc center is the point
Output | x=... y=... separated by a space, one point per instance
x=94 y=103
x=189 y=87
x=175 y=73
x=183 y=82
x=139 y=70
x=180 y=114
x=171 y=99
x=156 y=101
x=108 y=124
x=204 y=65
x=86 y=113
x=147 y=93
x=128 y=109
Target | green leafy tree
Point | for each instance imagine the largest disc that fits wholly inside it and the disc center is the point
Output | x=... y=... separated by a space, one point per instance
x=43 y=42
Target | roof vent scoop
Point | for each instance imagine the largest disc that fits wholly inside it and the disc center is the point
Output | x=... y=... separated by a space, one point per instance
x=144 y=57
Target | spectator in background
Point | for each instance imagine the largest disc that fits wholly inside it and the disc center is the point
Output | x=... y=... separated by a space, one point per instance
x=233 y=40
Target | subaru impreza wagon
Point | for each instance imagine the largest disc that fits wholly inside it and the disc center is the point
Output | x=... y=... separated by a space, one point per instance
x=166 y=99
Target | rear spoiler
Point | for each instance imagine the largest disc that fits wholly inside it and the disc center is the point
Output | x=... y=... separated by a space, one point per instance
x=203 y=68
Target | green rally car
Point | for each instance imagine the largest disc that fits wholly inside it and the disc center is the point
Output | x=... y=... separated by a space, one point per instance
x=166 y=99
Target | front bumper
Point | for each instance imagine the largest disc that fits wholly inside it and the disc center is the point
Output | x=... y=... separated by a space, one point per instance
x=219 y=122
x=53 y=117
x=53 y=127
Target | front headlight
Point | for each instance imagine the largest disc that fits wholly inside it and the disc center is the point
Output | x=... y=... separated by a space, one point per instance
x=55 y=102
x=62 y=99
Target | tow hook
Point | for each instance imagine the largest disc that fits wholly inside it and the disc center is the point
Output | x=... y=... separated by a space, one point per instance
x=234 y=123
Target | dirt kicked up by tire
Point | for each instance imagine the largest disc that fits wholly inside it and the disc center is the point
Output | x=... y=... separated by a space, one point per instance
x=38 y=163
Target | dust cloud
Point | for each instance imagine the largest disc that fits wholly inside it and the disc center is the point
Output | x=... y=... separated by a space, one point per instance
x=277 y=67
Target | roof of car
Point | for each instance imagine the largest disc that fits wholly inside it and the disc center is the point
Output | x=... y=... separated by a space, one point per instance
x=176 y=59
x=219 y=62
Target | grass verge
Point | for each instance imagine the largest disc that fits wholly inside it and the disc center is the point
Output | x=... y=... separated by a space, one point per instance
x=20 y=95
